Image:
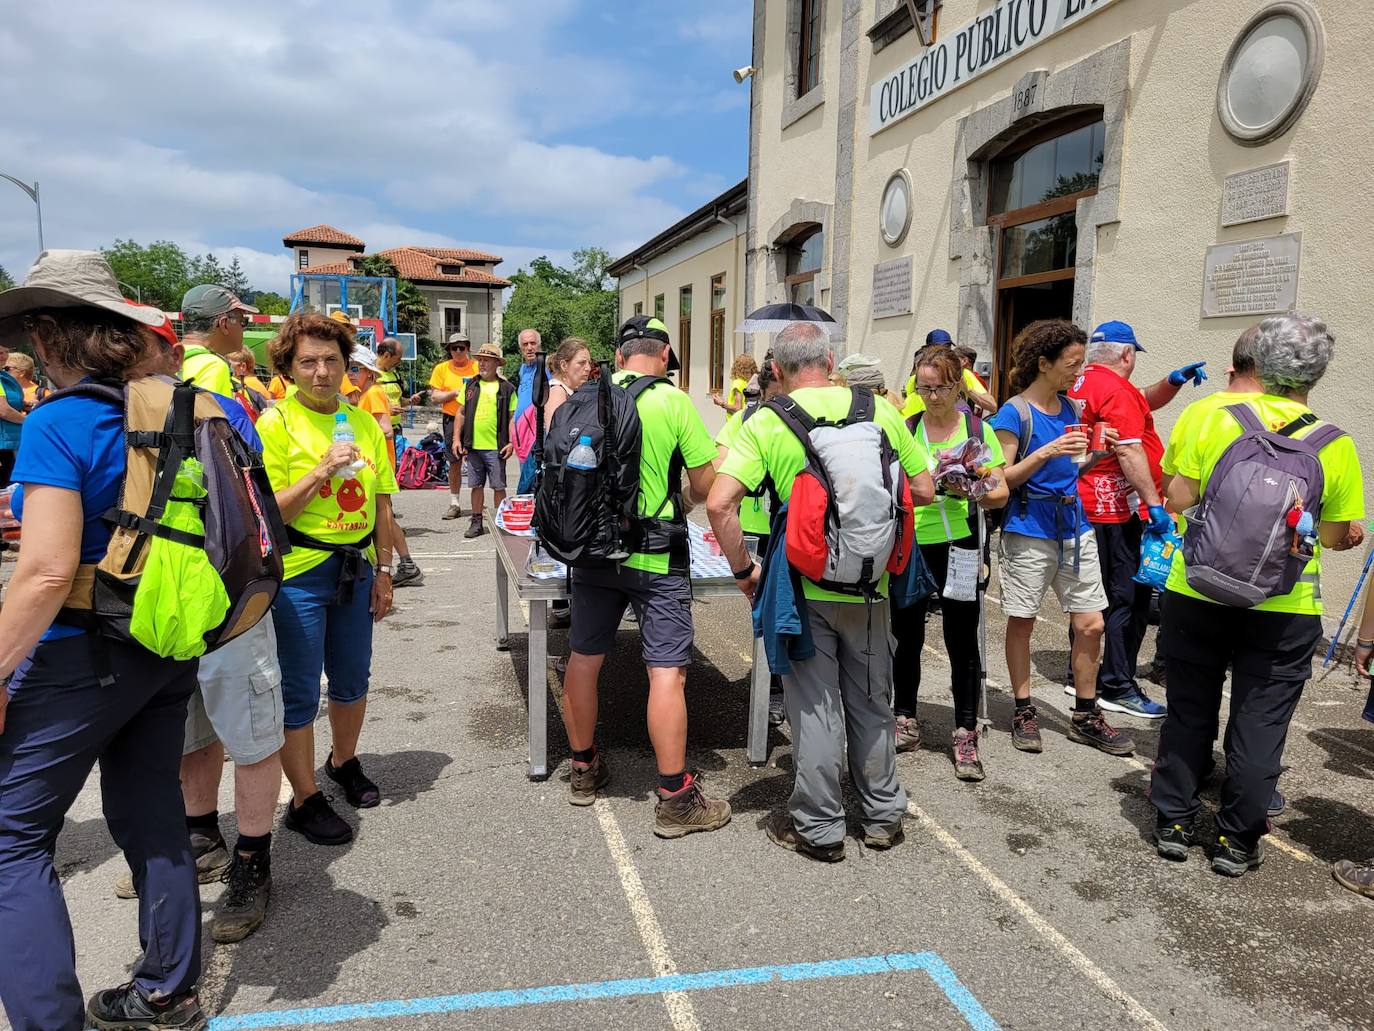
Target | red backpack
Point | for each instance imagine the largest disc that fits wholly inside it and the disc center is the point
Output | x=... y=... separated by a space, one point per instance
x=412 y=472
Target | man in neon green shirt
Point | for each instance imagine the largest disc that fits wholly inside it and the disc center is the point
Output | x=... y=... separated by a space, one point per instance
x=673 y=437
x=212 y=319
x=1269 y=647
x=841 y=695
x=482 y=432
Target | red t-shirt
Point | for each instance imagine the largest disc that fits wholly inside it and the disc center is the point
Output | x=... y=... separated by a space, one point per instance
x=1110 y=398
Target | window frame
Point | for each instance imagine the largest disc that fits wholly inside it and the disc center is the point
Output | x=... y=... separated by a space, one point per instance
x=716 y=359
x=660 y=306
x=808 y=56
x=303 y=259
x=684 y=335
x=792 y=280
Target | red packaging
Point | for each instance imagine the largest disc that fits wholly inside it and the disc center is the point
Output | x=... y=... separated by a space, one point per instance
x=1100 y=436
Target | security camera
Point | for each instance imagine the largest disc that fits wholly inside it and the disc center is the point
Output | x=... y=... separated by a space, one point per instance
x=741 y=74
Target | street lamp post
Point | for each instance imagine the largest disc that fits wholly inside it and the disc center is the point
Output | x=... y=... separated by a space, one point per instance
x=32 y=191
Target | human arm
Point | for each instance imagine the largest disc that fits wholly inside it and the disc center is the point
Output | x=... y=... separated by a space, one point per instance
x=977 y=394
x=381 y=582
x=8 y=413
x=293 y=498
x=1019 y=469
x=457 y=449
x=1161 y=393
x=1364 y=636
x=722 y=508
x=1353 y=539
x=698 y=486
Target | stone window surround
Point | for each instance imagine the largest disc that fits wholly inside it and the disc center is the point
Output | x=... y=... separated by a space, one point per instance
x=800 y=216
x=1100 y=80
x=793 y=106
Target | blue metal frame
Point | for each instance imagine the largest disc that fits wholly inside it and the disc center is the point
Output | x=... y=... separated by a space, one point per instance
x=387 y=284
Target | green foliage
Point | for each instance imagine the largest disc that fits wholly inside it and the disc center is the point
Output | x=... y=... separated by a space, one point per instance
x=562 y=302
x=235 y=279
x=161 y=272
x=412 y=308
x=206 y=269
x=6 y=280
x=269 y=303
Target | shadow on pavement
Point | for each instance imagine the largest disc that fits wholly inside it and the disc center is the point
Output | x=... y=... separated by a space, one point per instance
x=1329 y=829
x=1354 y=760
x=83 y=846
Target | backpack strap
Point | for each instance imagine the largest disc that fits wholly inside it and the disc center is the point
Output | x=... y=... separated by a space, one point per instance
x=860 y=407
x=914 y=421
x=1245 y=415
x=1324 y=434
x=178 y=441
x=973 y=426
x=640 y=384
x=1025 y=425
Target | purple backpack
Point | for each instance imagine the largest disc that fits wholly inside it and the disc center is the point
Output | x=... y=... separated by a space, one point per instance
x=1239 y=548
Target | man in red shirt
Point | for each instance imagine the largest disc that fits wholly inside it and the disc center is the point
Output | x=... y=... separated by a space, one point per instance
x=1122 y=497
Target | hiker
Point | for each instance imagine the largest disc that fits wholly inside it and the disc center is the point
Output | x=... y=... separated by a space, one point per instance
x=530 y=341
x=247 y=387
x=22 y=368
x=977 y=396
x=76 y=697
x=862 y=370
x=392 y=384
x=1359 y=877
x=1046 y=543
x=1235 y=600
x=212 y=324
x=654 y=583
x=335 y=497
x=482 y=433
x=941 y=529
x=837 y=693
x=12 y=415
x=1122 y=496
x=447 y=383
x=742 y=370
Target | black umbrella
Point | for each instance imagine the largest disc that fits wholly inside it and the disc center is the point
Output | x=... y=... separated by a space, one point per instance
x=773 y=318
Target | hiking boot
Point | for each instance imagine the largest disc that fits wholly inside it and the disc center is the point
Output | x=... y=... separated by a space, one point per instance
x=407 y=574
x=881 y=841
x=209 y=852
x=475 y=528
x=781 y=832
x=316 y=819
x=243 y=906
x=588 y=779
x=1133 y=703
x=1233 y=861
x=454 y=511
x=1092 y=728
x=1359 y=879
x=908 y=733
x=1277 y=804
x=123 y=1007
x=560 y=616
x=967 y=765
x=688 y=811
x=777 y=714
x=360 y=792
x=1025 y=729
x=1173 y=840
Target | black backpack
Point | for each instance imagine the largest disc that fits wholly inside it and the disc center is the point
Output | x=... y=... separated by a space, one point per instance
x=589 y=518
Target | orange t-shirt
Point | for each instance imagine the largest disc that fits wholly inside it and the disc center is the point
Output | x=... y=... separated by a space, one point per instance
x=446 y=377
x=376 y=404
x=279 y=388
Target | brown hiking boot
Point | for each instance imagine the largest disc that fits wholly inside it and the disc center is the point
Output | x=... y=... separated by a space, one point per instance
x=1092 y=728
x=208 y=850
x=688 y=811
x=587 y=779
x=243 y=906
x=454 y=511
x=1025 y=729
x=881 y=841
x=783 y=833
x=1359 y=879
x=908 y=733
x=475 y=527
x=967 y=765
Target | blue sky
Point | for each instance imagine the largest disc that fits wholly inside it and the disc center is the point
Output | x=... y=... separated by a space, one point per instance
x=518 y=126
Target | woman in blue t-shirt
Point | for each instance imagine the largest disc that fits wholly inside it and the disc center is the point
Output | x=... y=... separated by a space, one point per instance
x=1046 y=540
x=75 y=696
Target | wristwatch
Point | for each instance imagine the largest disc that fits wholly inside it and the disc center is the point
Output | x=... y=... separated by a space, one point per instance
x=745 y=573
x=383 y=569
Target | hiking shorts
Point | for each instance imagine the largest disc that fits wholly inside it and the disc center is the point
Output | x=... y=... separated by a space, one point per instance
x=486 y=469
x=239 y=701
x=662 y=604
x=1030 y=568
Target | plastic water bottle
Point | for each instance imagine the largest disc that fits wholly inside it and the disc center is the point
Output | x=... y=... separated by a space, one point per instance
x=343 y=434
x=583 y=456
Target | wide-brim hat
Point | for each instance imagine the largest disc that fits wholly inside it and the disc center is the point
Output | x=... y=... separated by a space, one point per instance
x=489 y=351
x=362 y=356
x=74 y=279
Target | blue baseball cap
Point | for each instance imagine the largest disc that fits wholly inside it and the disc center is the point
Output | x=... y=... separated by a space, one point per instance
x=1115 y=333
x=938 y=336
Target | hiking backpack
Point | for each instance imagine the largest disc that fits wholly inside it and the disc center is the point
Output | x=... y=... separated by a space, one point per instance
x=218 y=532
x=849 y=516
x=589 y=518
x=1239 y=547
x=412 y=471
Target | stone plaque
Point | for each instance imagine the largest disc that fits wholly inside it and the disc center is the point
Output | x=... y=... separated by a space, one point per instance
x=1255 y=194
x=1253 y=277
x=892 y=288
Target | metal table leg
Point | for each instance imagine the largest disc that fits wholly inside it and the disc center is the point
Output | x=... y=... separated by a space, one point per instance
x=538 y=690
x=758 y=707
x=502 y=607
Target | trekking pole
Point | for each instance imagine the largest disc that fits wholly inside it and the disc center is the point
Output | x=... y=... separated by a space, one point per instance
x=984 y=721
x=1359 y=585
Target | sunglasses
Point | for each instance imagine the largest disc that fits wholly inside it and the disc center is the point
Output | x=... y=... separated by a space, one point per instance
x=458 y=347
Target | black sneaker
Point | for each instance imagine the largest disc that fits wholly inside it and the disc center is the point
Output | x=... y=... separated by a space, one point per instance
x=781 y=832
x=123 y=1007
x=1025 y=729
x=1173 y=840
x=1230 y=859
x=316 y=819
x=243 y=906
x=881 y=841
x=360 y=792
x=1092 y=728
x=407 y=574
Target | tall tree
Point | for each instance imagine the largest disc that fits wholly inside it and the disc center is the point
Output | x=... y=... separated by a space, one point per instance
x=268 y=302
x=561 y=302
x=235 y=279
x=6 y=280
x=206 y=268
x=156 y=274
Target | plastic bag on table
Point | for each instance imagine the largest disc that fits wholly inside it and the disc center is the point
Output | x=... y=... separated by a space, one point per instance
x=965 y=468
x=1156 y=559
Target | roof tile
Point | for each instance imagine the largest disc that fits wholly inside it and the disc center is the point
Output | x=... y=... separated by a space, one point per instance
x=323 y=234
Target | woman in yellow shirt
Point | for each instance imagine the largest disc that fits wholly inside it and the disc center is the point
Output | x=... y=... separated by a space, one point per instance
x=741 y=372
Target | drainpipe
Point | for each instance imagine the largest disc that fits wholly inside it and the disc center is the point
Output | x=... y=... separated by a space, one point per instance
x=734 y=273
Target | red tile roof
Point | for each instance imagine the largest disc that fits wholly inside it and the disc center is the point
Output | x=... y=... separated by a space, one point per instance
x=323 y=235
x=462 y=254
x=421 y=266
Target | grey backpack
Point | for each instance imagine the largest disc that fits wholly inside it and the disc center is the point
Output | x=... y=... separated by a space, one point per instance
x=1239 y=548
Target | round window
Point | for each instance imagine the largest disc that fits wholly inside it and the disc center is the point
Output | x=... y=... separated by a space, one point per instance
x=1271 y=72
x=895 y=216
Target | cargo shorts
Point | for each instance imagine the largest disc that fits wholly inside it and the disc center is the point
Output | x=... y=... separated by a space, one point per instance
x=1031 y=568
x=239 y=701
x=662 y=604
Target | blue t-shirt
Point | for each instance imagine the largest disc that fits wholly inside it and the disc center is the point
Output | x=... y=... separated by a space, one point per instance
x=1042 y=518
x=524 y=393
x=14 y=394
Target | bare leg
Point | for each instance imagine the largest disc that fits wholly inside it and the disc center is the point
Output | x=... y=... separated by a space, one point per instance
x=200 y=773
x=1019 y=629
x=497 y=496
x=580 y=700
x=667 y=717
x=298 y=761
x=398 y=539
x=478 y=500
x=346 y=723
x=255 y=795
x=1086 y=651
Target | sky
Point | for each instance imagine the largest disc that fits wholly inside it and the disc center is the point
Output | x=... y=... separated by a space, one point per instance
x=518 y=127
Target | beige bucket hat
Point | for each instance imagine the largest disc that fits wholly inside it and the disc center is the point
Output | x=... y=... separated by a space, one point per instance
x=74 y=279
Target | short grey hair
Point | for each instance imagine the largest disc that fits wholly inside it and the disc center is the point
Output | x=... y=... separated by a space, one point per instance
x=1292 y=352
x=538 y=339
x=642 y=346
x=1105 y=352
x=199 y=327
x=802 y=345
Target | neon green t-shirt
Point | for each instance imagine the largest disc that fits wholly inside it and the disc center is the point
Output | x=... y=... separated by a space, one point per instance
x=753 y=514
x=670 y=423
x=913 y=404
x=1190 y=418
x=1342 y=498
x=764 y=446
x=207 y=370
x=484 y=419
x=294 y=438
x=736 y=395
x=947 y=518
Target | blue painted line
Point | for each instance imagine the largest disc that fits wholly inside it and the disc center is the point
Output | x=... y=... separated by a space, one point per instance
x=930 y=963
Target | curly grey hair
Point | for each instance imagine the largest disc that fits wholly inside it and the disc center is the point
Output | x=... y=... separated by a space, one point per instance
x=1292 y=352
x=802 y=345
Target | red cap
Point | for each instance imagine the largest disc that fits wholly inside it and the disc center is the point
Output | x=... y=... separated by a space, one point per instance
x=167 y=331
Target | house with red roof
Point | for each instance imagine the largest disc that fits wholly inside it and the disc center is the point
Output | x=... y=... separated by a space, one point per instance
x=464 y=292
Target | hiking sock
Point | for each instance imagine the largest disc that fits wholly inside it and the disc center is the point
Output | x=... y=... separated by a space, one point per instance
x=255 y=844
x=208 y=823
x=584 y=755
x=1024 y=703
x=672 y=782
x=1084 y=704
x=456 y=498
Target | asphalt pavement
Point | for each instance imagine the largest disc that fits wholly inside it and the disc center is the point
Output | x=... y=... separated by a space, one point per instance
x=473 y=897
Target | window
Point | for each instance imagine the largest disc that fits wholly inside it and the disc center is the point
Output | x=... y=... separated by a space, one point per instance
x=450 y=270
x=804 y=255
x=453 y=321
x=808 y=49
x=639 y=307
x=303 y=258
x=1054 y=169
x=718 y=332
x=658 y=307
x=684 y=334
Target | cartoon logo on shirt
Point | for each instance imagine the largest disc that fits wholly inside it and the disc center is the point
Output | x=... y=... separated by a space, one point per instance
x=351 y=497
x=325 y=490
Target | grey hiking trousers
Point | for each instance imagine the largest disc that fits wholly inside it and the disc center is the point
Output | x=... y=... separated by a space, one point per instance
x=842 y=697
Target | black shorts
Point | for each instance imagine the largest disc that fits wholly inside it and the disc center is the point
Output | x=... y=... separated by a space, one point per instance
x=449 y=420
x=662 y=603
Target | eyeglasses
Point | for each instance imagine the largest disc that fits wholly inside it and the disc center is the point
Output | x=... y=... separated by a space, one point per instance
x=940 y=391
x=457 y=347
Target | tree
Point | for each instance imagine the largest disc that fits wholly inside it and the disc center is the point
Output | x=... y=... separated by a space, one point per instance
x=562 y=302
x=206 y=269
x=156 y=274
x=235 y=280
x=268 y=303
x=6 y=280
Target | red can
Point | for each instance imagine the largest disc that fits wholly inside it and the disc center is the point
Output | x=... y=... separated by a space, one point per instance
x=1100 y=436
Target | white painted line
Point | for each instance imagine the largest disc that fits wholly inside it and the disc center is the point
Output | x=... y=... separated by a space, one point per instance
x=678 y=1005
x=1080 y=962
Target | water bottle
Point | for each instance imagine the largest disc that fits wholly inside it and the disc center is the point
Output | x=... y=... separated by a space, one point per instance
x=583 y=456
x=343 y=434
